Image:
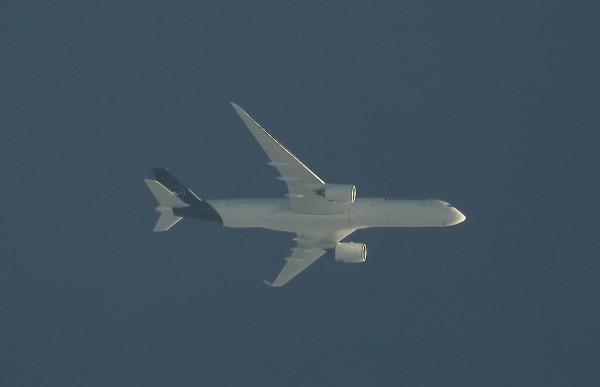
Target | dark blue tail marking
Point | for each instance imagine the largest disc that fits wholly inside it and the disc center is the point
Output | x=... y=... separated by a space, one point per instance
x=198 y=209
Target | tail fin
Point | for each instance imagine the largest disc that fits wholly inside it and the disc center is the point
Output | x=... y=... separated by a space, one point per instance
x=176 y=201
x=166 y=202
x=181 y=191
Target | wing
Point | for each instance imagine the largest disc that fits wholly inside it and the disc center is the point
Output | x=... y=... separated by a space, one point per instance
x=300 y=180
x=300 y=259
x=309 y=248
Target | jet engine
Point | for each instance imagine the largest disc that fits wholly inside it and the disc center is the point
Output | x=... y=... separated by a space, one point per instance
x=351 y=252
x=343 y=193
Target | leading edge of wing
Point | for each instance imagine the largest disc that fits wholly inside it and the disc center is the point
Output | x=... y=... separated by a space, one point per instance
x=278 y=153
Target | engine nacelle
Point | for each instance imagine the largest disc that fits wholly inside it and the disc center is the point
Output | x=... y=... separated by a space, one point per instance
x=351 y=252
x=343 y=193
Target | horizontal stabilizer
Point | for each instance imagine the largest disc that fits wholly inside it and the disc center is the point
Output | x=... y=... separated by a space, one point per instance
x=164 y=197
x=166 y=219
x=166 y=202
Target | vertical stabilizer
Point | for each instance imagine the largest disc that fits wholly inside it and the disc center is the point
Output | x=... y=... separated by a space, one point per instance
x=165 y=178
x=195 y=207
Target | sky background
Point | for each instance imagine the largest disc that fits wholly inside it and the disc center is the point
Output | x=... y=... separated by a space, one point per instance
x=489 y=105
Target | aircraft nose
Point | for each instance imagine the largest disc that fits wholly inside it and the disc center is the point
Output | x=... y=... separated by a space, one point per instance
x=458 y=216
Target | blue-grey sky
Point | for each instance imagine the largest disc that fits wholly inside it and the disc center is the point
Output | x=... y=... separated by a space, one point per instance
x=490 y=105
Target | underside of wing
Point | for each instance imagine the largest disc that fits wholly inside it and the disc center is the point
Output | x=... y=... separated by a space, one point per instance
x=309 y=248
x=300 y=259
x=302 y=183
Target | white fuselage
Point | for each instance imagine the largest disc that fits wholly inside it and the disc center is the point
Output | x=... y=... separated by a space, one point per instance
x=276 y=214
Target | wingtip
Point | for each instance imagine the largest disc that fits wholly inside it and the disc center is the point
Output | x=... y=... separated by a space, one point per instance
x=238 y=109
x=273 y=284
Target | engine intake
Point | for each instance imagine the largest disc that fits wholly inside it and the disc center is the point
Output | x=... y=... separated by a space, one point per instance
x=343 y=193
x=351 y=252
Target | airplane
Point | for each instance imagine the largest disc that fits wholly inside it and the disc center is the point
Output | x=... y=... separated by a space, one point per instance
x=320 y=214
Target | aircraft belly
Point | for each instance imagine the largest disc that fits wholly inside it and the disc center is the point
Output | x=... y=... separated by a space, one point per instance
x=284 y=220
x=402 y=215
